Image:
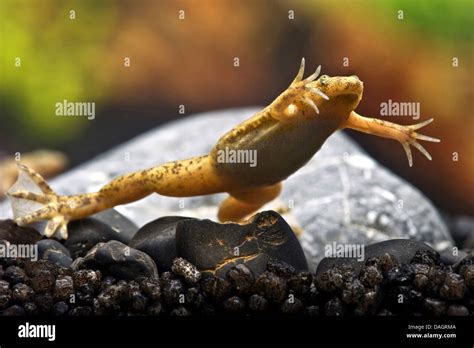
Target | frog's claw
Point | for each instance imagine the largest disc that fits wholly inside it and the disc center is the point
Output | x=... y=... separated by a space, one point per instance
x=412 y=136
x=302 y=90
x=33 y=200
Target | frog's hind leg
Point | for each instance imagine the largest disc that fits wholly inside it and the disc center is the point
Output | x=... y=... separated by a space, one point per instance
x=33 y=201
x=243 y=203
x=406 y=135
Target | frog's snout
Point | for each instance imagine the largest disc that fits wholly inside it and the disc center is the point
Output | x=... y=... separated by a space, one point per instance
x=353 y=84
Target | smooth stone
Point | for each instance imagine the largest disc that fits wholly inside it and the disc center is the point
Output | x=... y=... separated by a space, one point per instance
x=452 y=256
x=17 y=234
x=157 y=239
x=52 y=250
x=118 y=260
x=462 y=230
x=214 y=248
x=99 y=228
x=341 y=195
x=403 y=250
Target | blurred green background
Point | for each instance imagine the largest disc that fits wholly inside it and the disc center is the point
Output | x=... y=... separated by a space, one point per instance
x=190 y=61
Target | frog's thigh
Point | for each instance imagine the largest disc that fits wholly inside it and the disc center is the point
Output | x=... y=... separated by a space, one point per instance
x=242 y=203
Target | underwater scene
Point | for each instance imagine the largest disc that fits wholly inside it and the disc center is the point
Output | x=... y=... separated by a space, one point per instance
x=234 y=162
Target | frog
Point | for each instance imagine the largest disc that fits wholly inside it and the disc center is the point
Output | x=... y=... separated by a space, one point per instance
x=285 y=135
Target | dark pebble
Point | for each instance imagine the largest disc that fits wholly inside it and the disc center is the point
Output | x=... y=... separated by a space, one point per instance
x=15 y=234
x=172 y=291
x=14 y=310
x=157 y=239
x=151 y=288
x=234 y=304
x=434 y=306
x=292 y=305
x=63 y=288
x=186 y=269
x=52 y=250
x=334 y=307
x=215 y=248
x=280 y=268
x=31 y=308
x=81 y=311
x=5 y=294
x=194 y=297
x=427 y=257
x=44 y=301
x=371 y=276
x=22 y=293
x=119 y=260
x=14 y=274
x=330 y=280
x=99 y=228
x=312 y=311
x=60 y=308
x=181 y=311
x=258 y=303
x=241 y=278
x=353 y=291
x=271 y=286
x=87 y=277
x=457 y=310
x=453 y=287
x=43 y=281
x=403 y=250
x=216 y=288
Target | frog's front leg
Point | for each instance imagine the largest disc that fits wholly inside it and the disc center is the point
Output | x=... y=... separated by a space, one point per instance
x=299 y=92
x=406 y=135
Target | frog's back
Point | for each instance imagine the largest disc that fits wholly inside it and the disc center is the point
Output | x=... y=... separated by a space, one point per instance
x=278 y=148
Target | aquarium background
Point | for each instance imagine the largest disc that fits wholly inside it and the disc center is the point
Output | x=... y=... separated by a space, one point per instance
x=408 y=51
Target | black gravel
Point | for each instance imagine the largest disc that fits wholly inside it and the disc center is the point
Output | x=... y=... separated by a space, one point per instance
x=424 y=286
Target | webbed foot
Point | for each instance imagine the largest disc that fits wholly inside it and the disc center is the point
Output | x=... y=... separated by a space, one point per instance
x=33 y=200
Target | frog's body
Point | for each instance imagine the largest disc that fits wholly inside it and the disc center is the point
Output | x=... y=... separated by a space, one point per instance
x=284 y=136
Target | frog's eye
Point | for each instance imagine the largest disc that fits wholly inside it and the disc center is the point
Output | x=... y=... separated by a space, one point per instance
x=324 y=79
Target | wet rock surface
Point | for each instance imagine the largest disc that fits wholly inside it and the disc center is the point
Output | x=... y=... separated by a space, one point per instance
x=402 y=249
x=157 y=239
x=16 y=234
x=101 y=227
x=54 y=251
x=118 y=260
x=215 y=248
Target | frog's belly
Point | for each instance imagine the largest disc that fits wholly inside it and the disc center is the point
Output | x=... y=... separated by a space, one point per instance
x=270 y=155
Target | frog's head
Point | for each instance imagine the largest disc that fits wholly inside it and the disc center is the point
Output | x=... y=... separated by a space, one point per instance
x=344 y=92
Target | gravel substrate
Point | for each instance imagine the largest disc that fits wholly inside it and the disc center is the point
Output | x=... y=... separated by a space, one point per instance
x=424 y=286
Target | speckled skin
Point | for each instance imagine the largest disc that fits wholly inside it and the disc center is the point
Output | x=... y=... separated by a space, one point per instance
x=285 y=135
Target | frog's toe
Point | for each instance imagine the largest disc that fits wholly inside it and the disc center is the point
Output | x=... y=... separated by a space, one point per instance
x=411 y=137
x=33 y=201
x=56 y=224
x=314 y=76
x=299 y=75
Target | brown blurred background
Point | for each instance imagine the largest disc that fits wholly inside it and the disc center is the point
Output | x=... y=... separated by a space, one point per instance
x=190 y=61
